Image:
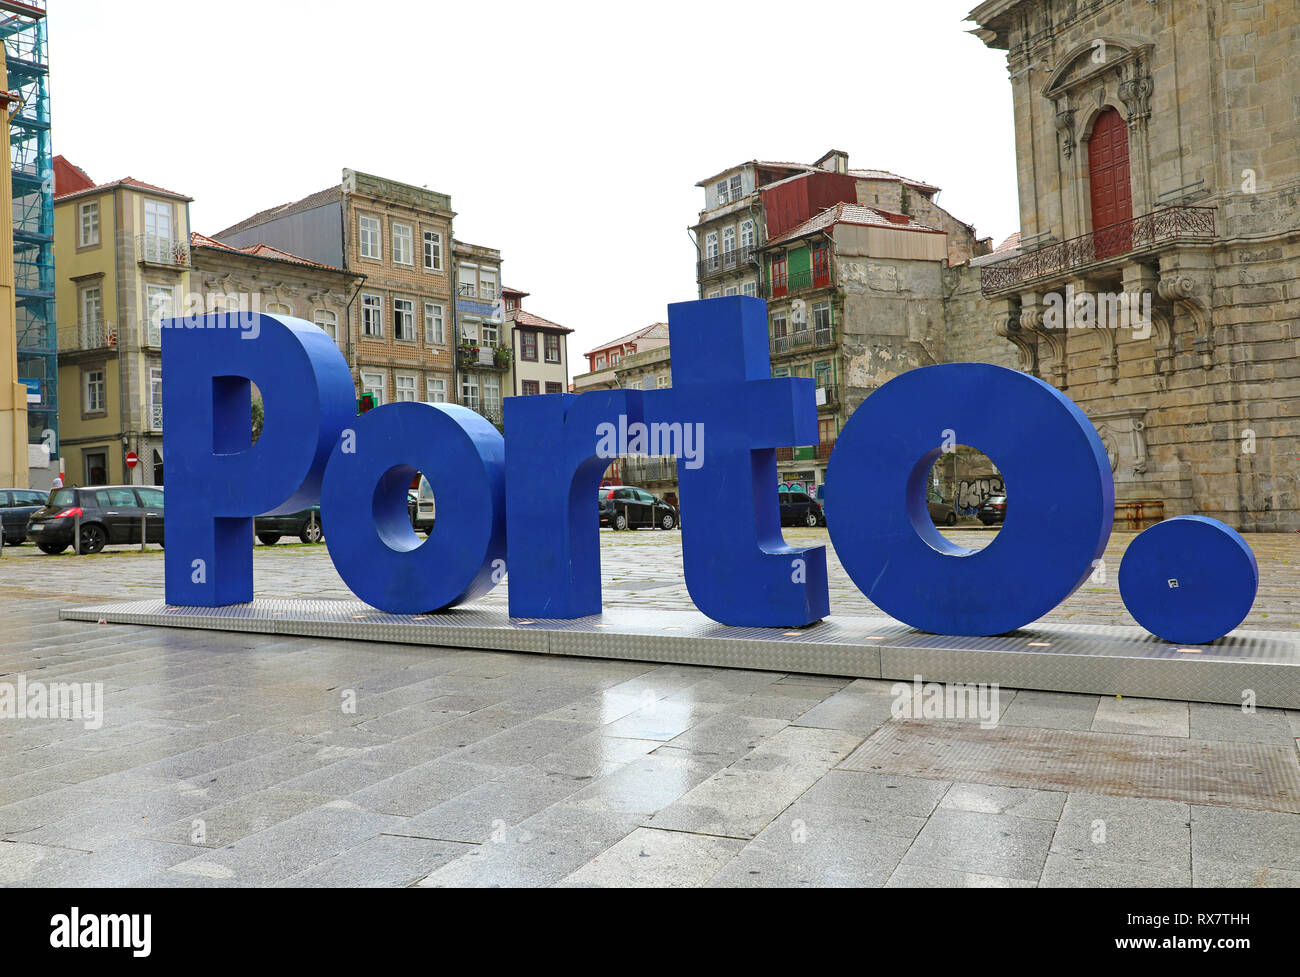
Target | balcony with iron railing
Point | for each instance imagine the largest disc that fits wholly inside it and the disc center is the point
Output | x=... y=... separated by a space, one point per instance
x=815 y=452
x=93 y=334
x=638 y=469
x=156 y=249
x=779 y=286
x=491 y=409
x=802 y=339
x=1096 y=250
x=718 y=264
x=481 y=356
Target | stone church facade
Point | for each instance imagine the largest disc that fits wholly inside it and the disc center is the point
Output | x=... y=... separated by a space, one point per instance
x=1157 y=277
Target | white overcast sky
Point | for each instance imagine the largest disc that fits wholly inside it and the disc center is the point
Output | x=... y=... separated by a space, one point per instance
x=569 y=134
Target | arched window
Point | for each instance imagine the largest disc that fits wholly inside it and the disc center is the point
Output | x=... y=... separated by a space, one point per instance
x=327 y=320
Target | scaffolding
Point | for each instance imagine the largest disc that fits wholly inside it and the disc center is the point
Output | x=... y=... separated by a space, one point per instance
x=22 y=28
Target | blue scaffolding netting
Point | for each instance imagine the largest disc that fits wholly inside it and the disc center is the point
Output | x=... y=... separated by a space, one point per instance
x=23 y=29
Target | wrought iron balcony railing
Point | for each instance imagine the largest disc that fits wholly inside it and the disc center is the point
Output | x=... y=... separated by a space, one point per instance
x=802 y=339
x=158 y=250
x=796 y=281
x=1167 y=225
x=727 y=261
x=96 y=334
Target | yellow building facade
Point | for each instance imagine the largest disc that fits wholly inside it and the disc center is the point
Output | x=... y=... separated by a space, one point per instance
x=123 y=259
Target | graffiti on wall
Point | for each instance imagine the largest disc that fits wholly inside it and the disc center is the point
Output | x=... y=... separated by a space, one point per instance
x=972 y=492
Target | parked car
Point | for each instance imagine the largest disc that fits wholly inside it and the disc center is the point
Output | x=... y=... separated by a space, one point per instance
x=419 y=503
x=306 y=525
x=942 y=512
x=110 y=514
x=628 y=507
x=800 y=509
x=16 y=506
x=994 y=510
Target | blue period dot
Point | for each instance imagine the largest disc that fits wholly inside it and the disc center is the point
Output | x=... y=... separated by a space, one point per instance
x=1189 y=580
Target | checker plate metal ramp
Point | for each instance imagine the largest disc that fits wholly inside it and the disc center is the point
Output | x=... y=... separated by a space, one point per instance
x=1101 y=659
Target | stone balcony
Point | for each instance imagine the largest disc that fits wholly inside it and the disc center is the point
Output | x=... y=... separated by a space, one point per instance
x=1098 y=251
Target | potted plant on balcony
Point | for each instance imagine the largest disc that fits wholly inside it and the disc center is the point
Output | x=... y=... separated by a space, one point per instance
x=501 y=356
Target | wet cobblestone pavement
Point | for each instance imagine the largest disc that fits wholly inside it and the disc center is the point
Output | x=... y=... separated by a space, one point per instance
x=235 y=759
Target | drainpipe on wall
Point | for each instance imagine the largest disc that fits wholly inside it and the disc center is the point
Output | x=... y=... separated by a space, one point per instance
x=699 y=283
x=348 y=341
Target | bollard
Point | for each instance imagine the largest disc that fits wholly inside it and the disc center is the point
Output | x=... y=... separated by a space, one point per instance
x=76 y=535
x=143 y=532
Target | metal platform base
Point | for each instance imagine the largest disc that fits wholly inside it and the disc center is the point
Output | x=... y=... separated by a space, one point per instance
x=1080 y=658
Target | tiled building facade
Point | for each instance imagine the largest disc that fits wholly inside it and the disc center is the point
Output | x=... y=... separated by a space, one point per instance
x=400 y=331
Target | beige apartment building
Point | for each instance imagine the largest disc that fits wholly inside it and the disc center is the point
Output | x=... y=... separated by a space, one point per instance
x=397 y=237
x=122 y=257
x=261 y=278
x=539 y=348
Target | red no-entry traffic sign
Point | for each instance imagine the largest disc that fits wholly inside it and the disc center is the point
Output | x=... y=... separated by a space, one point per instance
x=132 y=459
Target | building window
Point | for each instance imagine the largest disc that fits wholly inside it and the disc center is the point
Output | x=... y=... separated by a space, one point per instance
x=731 y=290
x=487 y=284
x=722 y=192
x=822 y=316
x=554 y=387
x=155 y=399
x=634 y=384
x=158 y=220
x=531 y=388
x=528 y=347
x=826 y=430
x=467 y=281
x=779 y=325
x=404 y=387
x=664 y=381
x=403 y=245
x=736 y=187
x=432 y=251
x=94 y=391
x=490 y=333
x=161 y=300
x=88 y=234
x=728 y=241
x=711 y=248
x=713 y=294
x=372 y=316
x=469 y=389
x=436 y=389
x=435 y=333
x=375 y=385
x=92 y=305
x=404 y=320
x=779 y=280
x=492 y=392
x=822 y=373
x=96 y=467
x=368 y=238
x=750 y=288
x=746 y=234
x=552 y=344
x=597 y=362
x=821 y=262
x=327 y=320
x=278 y=308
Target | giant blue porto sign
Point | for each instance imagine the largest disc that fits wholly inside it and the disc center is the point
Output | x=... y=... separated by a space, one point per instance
x=524 y=504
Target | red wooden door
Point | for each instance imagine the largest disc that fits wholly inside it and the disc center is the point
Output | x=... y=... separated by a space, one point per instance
x=1112 y=195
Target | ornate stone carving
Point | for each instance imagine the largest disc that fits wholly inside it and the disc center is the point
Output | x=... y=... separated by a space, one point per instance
x=1065 y=126
x=1123 y=432
x=1008 y=327
x=1135 y=91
